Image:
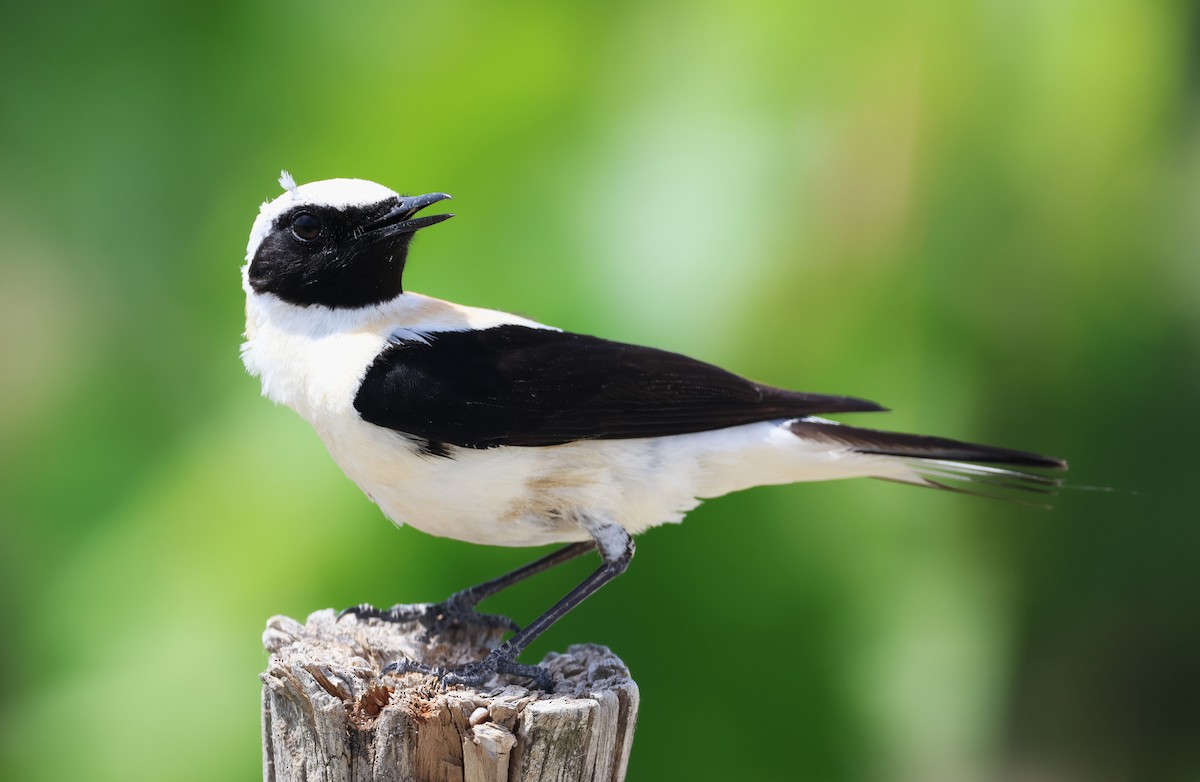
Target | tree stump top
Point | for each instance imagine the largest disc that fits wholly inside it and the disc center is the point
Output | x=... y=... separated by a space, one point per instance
x=329 y=715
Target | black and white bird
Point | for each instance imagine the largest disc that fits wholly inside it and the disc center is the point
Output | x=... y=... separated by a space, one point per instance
x=489 y=428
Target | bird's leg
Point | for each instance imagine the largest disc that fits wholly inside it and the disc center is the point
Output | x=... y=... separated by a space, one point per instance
x=459 y=608
x=616 y=550
x=466 y=599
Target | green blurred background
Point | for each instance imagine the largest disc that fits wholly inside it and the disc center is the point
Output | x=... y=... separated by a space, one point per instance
x=985 y=215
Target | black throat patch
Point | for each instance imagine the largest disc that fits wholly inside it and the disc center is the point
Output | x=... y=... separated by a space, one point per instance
x=320 y=255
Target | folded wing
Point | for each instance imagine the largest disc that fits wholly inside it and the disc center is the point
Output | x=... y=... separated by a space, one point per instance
x=524 y=386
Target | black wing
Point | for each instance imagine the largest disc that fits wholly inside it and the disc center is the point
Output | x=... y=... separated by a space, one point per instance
x=515 y=385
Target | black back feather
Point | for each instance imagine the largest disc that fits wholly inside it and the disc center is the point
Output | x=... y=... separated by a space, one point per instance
x=516 y=385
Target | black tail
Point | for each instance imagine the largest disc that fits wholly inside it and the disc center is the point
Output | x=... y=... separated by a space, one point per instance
x=919 y=445
x=941 y=462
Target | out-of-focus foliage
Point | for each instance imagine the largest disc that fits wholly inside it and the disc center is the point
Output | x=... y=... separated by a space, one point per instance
x=983 y=214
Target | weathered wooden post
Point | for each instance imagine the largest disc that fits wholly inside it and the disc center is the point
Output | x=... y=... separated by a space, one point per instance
x=328 y=715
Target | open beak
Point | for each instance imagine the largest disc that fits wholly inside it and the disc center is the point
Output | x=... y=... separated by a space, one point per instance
x=401 y=220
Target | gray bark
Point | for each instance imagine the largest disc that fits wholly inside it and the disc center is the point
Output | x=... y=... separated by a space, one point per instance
x=328 y=715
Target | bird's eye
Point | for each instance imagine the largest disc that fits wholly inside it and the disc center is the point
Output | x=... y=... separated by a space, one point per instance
x=306 y=227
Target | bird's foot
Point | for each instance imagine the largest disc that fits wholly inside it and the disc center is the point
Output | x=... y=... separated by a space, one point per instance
x=499 y=661
x=437 y=618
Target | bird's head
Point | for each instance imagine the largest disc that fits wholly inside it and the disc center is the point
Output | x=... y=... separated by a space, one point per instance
x=340 y=243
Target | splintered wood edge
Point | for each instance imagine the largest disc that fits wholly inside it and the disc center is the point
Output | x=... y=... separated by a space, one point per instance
x=328 y=714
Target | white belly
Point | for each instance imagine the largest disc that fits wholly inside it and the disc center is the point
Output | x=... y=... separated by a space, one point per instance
x=518 y=496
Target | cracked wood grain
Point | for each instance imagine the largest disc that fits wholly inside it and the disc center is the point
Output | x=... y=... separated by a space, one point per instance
x=328 y=715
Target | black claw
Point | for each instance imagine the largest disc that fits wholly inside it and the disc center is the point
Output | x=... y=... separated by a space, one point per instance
x=487 y=620
x=437 y=618
x=501 y=662
x=405 y=665
x=475 y=674
x=454 y=611
x=469 y=675
x=362 y=610
x=541 y=677
x=397 y=614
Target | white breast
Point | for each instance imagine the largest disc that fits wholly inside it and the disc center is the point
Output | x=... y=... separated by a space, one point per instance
x=313 y=359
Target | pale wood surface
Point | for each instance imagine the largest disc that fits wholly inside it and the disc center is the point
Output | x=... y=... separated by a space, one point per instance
x=327 y=714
